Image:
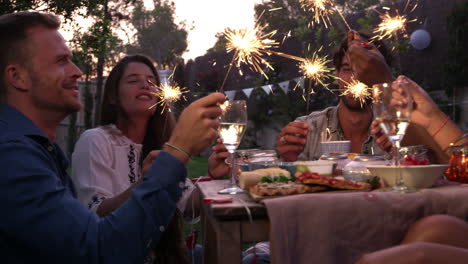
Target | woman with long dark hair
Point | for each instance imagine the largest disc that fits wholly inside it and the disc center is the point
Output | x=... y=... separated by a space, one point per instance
x=111 y=159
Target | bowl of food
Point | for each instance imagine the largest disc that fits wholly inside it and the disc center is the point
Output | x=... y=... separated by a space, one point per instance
x=414 y=176
x=322 y=167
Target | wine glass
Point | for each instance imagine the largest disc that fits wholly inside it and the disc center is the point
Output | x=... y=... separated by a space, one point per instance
x=232 y=125
x=392 y=106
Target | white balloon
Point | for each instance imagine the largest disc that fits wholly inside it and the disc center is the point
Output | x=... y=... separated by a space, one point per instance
x=420 y=39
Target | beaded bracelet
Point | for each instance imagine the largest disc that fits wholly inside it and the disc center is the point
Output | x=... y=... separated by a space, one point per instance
x=178 y=149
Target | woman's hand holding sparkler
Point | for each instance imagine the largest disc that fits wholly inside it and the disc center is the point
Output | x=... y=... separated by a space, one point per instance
x=367 y=62
x=197 y=127
x=291 y=140
x=217 y=166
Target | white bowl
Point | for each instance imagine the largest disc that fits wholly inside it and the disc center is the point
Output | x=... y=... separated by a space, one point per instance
x=416 y=176
x=322 y=167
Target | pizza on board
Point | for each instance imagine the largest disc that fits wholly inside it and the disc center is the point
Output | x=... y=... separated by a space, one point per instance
x=282 y=188
x=316 y=179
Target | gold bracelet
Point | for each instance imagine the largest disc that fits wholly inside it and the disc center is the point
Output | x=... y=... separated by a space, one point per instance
x=456 y=141
x=178 y=149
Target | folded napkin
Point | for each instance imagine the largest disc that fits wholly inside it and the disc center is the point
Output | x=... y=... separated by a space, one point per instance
x=338 y=227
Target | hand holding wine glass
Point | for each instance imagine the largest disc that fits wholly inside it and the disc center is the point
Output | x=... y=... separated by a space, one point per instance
x=232 y=125
x=392 y=106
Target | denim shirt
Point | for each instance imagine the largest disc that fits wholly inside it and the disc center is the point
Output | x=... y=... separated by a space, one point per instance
x=43 y=222
x=318 y=123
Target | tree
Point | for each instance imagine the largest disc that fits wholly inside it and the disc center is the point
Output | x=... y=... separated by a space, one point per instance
x=60 y=7
x=107 y=15
x=157 y=34
x=220 y=43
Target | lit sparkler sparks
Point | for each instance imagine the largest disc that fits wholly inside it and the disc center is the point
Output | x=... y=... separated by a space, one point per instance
x=167 y=94
x=392 y=25
x=249 y=45
x=316 y=68
x=322 y=9
x=358 y=90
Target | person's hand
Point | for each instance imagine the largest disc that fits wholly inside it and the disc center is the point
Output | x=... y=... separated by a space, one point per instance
x=148 y=161
x=425 y=111
x=366 y=61
x=381 y=139
x=197 y=125
x=217 y=167
x=291 y=140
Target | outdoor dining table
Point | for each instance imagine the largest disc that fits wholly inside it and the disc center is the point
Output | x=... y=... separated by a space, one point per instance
x=327 y=227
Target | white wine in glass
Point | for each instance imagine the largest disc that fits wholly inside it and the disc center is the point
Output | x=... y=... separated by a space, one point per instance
x=232 y=125
x=231 y=133
x=392 y=106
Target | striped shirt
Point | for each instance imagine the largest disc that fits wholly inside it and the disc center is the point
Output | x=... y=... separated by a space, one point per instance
x=318 y=123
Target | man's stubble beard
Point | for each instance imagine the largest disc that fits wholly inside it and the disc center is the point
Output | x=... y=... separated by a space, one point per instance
x=356 y=105
x=41 y=91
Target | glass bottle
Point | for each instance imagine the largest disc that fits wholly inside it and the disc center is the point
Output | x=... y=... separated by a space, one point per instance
x=458 y=164
x=341 y=160
x=356 y=170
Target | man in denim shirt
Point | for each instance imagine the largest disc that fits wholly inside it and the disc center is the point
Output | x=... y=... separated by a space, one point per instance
x=42 y=221
x=350 y=120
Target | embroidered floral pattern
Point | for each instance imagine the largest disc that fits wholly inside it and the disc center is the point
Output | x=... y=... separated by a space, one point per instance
x=131 y=164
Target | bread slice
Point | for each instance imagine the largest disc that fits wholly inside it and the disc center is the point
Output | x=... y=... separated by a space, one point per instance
x=249 y=178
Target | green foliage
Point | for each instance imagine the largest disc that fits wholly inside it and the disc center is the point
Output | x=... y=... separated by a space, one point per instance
x=220 y=43
x=455 y=71
x=84 y=61
x=335 y=36
x=67 y=8
x=197 y=166
x=272 y=179
x=287 y=16
x=353 y=6
x=157 y=34
x=366 y=22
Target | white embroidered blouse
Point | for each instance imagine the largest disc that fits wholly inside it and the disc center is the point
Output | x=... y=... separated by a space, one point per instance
x=105 y=163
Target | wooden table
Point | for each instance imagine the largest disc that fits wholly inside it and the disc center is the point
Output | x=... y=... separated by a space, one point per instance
x=226 y=226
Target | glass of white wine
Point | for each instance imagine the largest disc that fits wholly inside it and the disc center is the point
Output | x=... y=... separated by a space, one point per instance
x=392 y=106
x=232 y=125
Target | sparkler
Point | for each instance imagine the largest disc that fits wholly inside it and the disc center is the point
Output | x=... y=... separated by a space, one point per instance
x=316 y=68
x=358 y=90
x=322 y=9
x=167 y=94
x=392 y=25
x=249 y=45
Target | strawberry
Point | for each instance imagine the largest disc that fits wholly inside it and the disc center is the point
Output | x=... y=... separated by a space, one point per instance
x=410 y=161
